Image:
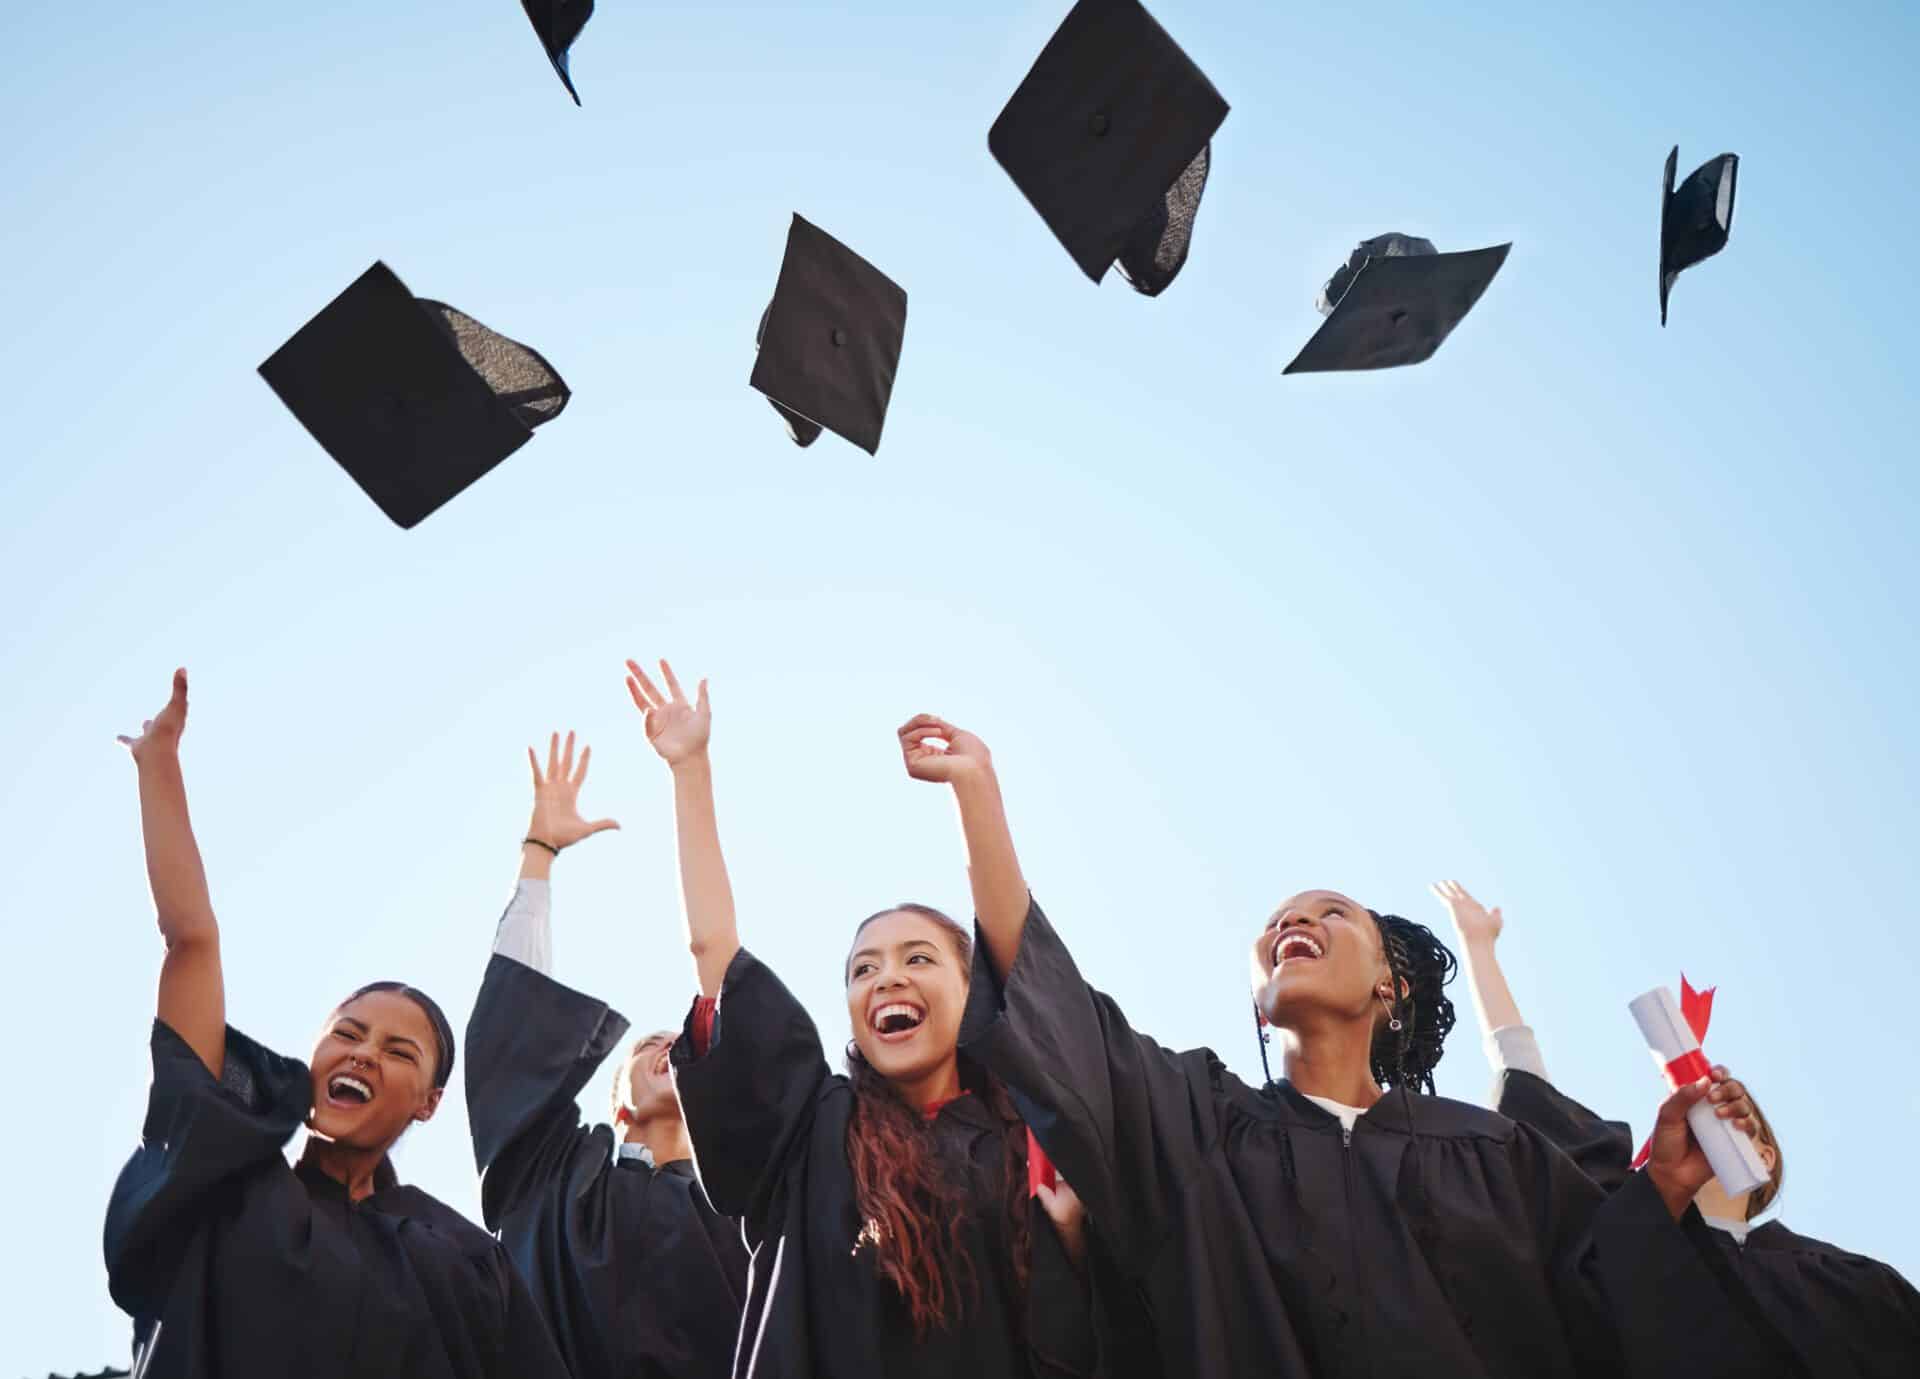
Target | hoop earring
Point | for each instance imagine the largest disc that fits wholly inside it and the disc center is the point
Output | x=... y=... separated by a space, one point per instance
x=1393 y=1021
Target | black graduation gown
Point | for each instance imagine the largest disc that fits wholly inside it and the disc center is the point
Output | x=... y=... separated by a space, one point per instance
x=1438 y=1240
x=1843 y=1315
x=248 y=1267
x=769 y=1127
x=638 y=1277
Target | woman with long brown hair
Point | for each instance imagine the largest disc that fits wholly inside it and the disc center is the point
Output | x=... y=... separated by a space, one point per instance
x=888 y=1209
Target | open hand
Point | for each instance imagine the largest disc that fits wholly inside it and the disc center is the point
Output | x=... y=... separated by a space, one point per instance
x=677 y=729
x=1068 y=1214
x=1675 y=1161
x=1474 y=920
x=935 y=750
x=160 y=735
x=556 y=796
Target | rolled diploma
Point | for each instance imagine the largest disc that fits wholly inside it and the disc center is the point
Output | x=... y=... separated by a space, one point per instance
x=1732 y=1153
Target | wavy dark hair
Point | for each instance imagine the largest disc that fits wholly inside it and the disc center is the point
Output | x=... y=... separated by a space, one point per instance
x=915 y=1206
x=1422 y=966
x=442 y=1031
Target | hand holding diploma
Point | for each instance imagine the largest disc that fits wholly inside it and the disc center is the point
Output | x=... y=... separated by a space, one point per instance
x=1705 y=1129
x=1678 y=1164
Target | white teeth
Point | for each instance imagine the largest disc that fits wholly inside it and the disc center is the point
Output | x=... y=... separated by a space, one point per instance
x=345 y=1082
x=1297 y=944
x=887 y=1012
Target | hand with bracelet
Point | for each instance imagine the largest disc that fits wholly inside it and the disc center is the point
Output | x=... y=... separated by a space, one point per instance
x=556 y=824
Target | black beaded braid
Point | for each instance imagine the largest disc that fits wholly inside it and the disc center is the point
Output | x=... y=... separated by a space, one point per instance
x=1422 y=966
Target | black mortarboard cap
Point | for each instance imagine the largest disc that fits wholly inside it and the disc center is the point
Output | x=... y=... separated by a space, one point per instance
x=1108 y=137
x=1393 y=301
x=1694 y=220
x=413 y=398
x=829 y=342
x=559 y=22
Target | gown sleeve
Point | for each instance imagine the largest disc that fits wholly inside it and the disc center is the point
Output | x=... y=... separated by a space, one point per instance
x=748 y=1088
x=527 y=1349
x=532 y=1044
x=1602 y=1148
x=200 y=1135
x=1854 y=1314
x=1636 y=1294
x=1126 y=1120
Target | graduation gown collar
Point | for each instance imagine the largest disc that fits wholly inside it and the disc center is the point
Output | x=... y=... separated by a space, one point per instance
x=675 y=1168
x=323 y=1187
x=1436 y=1116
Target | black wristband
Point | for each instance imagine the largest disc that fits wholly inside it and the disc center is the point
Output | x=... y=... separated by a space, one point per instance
x=537 y=843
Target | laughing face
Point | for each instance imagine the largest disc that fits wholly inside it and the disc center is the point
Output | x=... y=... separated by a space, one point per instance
x=1319 y=956
x=906 y=989
x=373 y=1071
x=643 y=1088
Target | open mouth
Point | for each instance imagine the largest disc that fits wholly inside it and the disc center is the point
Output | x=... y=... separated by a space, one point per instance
x=897 y=1020
x=344 y=1089
x=1296 y=944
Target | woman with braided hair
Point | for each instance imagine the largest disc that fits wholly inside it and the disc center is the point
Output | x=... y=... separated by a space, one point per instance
x=1840 y=1314
x=888 y=1213
x=1339 y=1220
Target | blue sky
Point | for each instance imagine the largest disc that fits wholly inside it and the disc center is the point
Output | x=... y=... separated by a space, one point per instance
x=1613 y=623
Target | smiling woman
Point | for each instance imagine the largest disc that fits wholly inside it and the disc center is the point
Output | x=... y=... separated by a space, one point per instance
x=888 y=1210
x=1315 y=1224
x=231 y=1262
x=382 y=1065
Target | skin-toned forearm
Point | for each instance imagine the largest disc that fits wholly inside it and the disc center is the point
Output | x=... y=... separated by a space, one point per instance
x=536 y=863
x=1492 y=998
x=174 y=870
x=192 y=999
x=1000 y=896
x=705 y=892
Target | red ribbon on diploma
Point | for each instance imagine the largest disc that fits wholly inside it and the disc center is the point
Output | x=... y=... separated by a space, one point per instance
x=1040 y=1168
x=1696 y=1008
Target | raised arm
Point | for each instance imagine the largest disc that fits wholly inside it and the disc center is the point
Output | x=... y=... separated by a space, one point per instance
x=1479 y=930
x=679 y=731
x=524 y=933
x=193 y=1002
x=937 y=751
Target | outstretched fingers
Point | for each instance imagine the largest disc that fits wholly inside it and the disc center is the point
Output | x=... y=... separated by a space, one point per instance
x=647 y=694
x=586 y=755
x=673 y=683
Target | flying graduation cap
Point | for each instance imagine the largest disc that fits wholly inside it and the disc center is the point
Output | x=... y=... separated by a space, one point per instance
x=1695 y=220
x=1393 y=301
x=413 y=398
x=1109 y=137
x=829 y=342
x=559 y=22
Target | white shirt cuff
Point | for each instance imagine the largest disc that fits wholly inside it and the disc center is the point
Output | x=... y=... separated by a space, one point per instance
x=1513 y=1048
x=525 y=933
